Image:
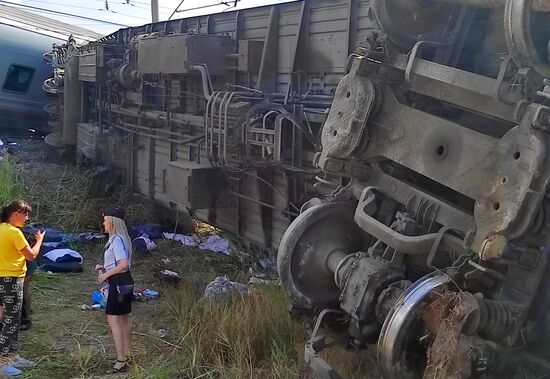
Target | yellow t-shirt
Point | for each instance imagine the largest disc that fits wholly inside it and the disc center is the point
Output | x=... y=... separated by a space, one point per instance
x=12 y=241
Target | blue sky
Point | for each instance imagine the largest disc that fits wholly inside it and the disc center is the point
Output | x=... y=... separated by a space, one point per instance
x=128 y=12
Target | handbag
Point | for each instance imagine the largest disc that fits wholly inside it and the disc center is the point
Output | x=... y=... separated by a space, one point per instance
x=124 y=286
x=124 y=280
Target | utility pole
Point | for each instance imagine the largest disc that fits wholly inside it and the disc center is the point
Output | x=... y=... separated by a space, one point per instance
x=155 y=10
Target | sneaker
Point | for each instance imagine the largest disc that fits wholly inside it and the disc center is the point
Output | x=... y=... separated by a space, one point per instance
x=19 y=362
x=8 y=370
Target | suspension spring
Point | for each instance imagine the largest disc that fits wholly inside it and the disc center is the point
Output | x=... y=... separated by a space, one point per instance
x=541 y=217
x=496 y=318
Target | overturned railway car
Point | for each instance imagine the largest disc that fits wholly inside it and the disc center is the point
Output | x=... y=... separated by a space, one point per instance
x=394 y=152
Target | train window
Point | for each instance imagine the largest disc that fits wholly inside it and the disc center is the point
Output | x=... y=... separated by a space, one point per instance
x=18 y=78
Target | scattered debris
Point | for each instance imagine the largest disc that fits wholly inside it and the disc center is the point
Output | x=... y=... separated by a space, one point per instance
x=213 y=243
x=152 y=231
x=443 y=318
x=161 y=333
x=267 y=264
x=259 y=280
x=144 y=294
x=222 y=286
x=55 y=238
x=143 y=243
x=59 y=260
x=99 y=298
x=186 y=240
x=63 y=255
x=264 y=271
x=170 y=276
x=169 y=272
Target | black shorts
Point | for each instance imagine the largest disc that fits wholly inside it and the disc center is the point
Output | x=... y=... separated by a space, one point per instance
x=119 y=304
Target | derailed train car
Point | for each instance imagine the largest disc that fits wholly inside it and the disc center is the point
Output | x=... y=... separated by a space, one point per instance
x=393 y=151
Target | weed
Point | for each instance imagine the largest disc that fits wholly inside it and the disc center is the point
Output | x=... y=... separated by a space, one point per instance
x=83 y=357
x=11 y=185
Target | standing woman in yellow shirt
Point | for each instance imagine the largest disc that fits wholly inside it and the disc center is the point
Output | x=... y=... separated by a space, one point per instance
x=14 y=250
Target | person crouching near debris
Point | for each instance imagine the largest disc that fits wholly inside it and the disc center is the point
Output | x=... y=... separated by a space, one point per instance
x=116 y=271
x=14 y=251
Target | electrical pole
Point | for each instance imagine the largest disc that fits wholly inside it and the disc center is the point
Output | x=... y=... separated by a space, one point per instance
x=155 y=10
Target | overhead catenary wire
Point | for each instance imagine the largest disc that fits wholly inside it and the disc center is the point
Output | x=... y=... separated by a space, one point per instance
x=176 y=9
x=63 y=5
x=61 y=13
x=143 y=3
x=34 y=21
x=103 y=9
x=132 y=5
x=201 y=7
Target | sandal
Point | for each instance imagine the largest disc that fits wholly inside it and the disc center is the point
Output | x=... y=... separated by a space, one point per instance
x=120 y=366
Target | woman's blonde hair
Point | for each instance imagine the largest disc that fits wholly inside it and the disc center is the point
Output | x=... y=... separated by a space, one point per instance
x=118 y=227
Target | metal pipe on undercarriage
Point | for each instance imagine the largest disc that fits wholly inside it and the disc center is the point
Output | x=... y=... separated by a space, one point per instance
x=205 y=80
x=406 y=244
x=536 y=5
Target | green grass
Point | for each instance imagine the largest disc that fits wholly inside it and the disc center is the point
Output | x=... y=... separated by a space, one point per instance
x=239 y=337
x=11 y=184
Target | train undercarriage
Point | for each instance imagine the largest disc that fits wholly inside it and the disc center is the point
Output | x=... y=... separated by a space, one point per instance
x=394 y=152
x=433 y=244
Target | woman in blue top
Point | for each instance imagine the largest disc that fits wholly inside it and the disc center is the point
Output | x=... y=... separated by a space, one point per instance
x=116 y=271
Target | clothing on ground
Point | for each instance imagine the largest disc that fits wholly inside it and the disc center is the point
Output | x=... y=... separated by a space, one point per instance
x=214 y=243
x=63 y=255
x=223 y=286
x=144 y=243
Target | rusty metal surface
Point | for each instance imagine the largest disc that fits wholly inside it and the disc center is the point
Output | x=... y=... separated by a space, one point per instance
x=354 y=101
